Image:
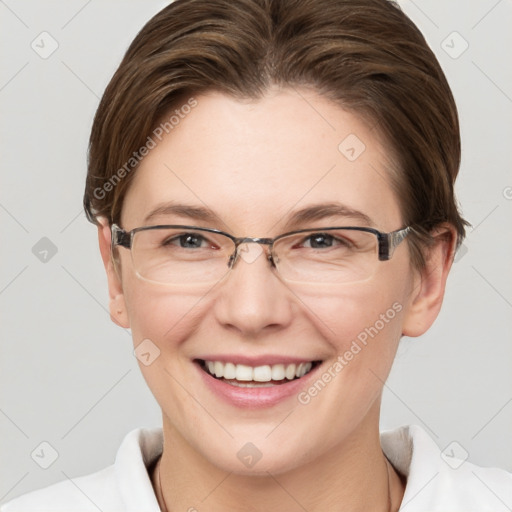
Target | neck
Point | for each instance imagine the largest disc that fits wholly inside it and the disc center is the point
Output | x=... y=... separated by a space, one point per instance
x=354 y=476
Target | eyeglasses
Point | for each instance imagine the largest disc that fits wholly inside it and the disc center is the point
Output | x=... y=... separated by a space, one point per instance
x=176 y=254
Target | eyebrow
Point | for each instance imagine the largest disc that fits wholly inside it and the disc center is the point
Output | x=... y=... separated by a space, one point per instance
x=324 y=211
x=297 y=218
x=183 y=210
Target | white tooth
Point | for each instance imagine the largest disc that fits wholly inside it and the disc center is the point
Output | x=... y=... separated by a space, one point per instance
x=278 y=372
x=219 y=369
x=262 y=373
x=290 y=372
x=243 y=372
x=229 y=371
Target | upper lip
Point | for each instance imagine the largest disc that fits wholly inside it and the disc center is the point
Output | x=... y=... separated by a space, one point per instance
x=261 y=360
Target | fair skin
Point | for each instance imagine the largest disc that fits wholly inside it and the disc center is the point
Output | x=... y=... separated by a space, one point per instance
x=253 y=164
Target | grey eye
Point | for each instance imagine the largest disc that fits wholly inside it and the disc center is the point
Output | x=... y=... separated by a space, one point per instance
x=324 y=240
x=186 y=241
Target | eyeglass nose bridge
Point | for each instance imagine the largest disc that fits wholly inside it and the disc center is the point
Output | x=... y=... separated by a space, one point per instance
x=252 y=240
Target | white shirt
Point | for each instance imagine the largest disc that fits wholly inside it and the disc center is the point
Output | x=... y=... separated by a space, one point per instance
x=433 y=485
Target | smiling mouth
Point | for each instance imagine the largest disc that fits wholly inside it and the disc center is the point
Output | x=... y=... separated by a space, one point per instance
x=242 y=375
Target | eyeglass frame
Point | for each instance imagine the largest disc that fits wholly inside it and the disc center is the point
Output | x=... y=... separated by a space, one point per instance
x=387 y=242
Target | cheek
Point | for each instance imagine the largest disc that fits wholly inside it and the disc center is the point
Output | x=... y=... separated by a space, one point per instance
x=161 y=322
x=360 y=312
x=363 y=325
x=166 y=317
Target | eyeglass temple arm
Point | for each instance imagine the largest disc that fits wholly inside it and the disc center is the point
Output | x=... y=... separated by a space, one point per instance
x=120 y=237
x=388 y=242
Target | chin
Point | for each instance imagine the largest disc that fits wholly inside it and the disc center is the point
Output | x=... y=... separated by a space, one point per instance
x=253 y=452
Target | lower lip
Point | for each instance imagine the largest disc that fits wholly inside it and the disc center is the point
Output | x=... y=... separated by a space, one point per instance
x=257 y=397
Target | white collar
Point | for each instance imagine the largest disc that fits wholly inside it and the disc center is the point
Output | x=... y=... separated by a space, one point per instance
x=434 y=483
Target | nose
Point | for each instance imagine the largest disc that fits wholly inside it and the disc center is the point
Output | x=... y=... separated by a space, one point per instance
x=252 y=299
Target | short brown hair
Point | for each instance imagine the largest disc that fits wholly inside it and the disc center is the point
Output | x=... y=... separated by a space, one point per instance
x=366 y=55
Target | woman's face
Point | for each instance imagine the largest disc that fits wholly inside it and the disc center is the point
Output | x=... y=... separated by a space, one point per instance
x=254 y=164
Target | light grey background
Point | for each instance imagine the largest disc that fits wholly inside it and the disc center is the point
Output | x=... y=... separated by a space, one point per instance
x=68 y=375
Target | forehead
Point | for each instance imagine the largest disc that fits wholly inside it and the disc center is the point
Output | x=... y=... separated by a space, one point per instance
x=253 y=163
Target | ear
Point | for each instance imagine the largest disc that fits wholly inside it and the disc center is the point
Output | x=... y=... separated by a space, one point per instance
x=117 y=305
x=430 y=282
